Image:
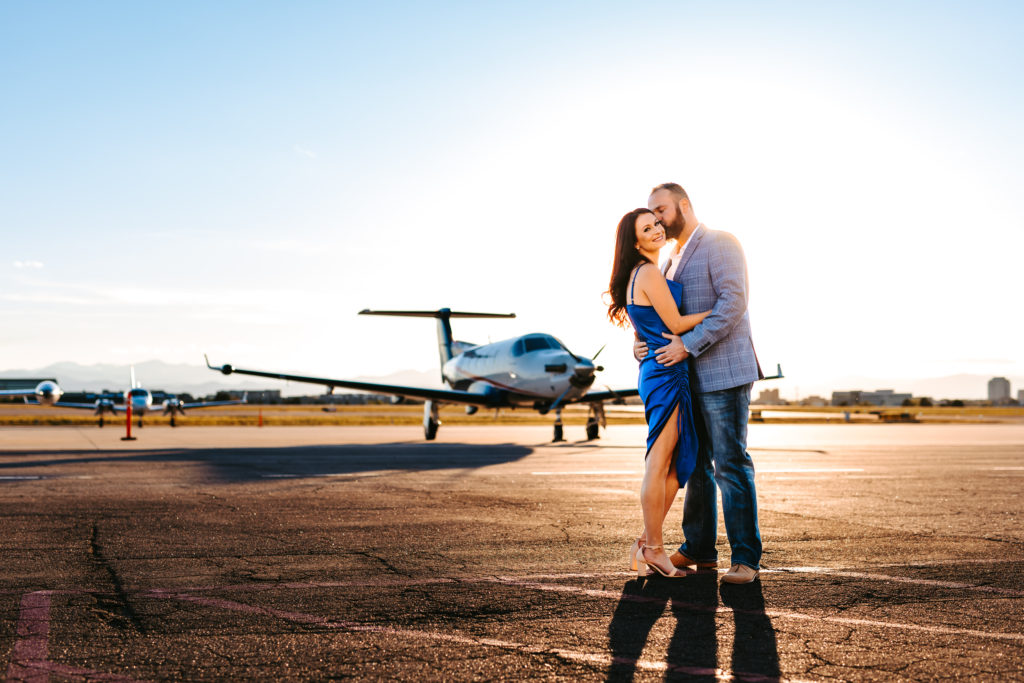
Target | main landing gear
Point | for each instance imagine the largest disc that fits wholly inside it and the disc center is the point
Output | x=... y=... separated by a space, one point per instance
x=595 y=421
x=430 y=420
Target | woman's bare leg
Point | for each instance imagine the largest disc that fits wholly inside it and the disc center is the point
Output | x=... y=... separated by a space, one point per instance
x=671 y=490
x=654 y=490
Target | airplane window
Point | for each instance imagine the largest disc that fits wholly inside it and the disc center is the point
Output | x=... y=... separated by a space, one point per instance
x=537 y=344
x=517 y=348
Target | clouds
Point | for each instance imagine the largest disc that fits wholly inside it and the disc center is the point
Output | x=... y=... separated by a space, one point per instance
x=31 y=265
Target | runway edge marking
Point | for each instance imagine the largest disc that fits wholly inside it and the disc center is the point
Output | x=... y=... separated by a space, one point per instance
x=570 y=655
x=899 y=579
x=782 y=614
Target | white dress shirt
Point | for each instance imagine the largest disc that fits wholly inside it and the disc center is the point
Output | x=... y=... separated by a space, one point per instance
x=677 y=255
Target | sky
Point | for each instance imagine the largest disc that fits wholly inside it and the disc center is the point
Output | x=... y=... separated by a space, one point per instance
x=241 y=178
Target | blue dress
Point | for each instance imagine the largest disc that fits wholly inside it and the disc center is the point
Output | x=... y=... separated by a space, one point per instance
x=663 y=388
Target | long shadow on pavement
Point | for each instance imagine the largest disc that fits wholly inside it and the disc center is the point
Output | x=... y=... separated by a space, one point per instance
x=755 y=651
x=693 y=650
x=233 y=465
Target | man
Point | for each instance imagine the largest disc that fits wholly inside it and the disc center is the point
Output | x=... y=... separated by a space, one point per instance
x=711 y=267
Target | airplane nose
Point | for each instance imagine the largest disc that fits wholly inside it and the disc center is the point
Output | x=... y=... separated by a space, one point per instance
x=583 y=374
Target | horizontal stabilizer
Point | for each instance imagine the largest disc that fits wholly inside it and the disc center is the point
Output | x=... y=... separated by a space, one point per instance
x=442 y=313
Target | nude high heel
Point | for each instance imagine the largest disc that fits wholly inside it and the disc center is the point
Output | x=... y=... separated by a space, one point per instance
x=633 y=550
x=676 y=573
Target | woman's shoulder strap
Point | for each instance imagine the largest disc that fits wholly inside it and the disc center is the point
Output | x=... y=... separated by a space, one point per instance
x=632 y=282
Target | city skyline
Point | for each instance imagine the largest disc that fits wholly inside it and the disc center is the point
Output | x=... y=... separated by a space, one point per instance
x=247 y=194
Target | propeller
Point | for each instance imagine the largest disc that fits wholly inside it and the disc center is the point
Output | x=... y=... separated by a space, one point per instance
x=558 y=401
x=583 y=376
x=174 y=405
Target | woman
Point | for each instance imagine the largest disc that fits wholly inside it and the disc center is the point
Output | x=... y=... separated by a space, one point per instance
x=641 y=295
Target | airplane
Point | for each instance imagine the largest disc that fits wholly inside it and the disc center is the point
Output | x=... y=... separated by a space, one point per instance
x=46 y=393
x=141 y=401
x=533 y=370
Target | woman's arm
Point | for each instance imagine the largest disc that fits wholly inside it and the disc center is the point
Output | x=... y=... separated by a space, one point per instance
x=655 y=289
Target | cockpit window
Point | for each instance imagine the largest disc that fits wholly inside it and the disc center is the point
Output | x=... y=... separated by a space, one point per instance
x=537 y=342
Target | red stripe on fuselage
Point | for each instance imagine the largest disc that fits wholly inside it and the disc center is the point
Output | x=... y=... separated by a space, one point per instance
x=499 y=385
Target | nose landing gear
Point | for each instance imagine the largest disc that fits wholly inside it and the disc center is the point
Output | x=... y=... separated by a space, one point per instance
x=558 y=426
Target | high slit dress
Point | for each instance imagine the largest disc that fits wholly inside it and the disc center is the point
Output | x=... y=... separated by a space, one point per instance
x=663 y=388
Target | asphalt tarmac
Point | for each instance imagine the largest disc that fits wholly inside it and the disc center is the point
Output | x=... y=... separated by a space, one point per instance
x=892 y=552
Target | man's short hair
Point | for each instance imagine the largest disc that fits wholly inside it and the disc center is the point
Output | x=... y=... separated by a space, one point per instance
x=675 y=188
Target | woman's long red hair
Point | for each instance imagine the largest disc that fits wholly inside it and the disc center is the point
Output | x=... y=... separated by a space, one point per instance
x=626 y=259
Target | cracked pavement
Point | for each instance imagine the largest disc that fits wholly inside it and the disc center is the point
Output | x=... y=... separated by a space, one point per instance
x=891 y=553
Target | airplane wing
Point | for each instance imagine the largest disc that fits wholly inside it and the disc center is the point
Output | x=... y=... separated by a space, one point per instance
x=442 y=395
x=83 y=406
x=610 y=395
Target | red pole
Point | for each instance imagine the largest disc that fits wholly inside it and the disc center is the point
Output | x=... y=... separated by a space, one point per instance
x=259 y=422
x=128 y=422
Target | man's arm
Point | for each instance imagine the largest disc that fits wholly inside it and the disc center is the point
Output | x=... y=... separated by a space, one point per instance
x=639 y=349
x=728 y=271
x=674 y=353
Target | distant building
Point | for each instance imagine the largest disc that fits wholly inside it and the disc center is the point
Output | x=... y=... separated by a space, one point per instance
x=999 y=391
x=881 y=397
x=260 y=396
x=769 y=397
x=1020 y=397
x=817 y=401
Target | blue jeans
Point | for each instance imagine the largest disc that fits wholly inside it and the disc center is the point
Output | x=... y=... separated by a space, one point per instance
x=721 y=419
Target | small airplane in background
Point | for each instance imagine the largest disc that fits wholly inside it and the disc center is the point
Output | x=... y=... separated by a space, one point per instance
x=533 y=370
x=141 y=401
x=46 y=393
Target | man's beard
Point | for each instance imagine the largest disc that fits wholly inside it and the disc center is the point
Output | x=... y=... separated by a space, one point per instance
x=674 y=229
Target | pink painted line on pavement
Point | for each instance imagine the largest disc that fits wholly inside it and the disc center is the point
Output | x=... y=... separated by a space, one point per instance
x=29 y=662
x=33 y=633
x=571 y=655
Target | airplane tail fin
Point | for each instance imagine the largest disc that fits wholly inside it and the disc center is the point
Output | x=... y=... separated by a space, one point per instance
x=444 y=327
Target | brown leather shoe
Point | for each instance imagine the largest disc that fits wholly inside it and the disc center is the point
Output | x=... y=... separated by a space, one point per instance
x=680 y=560
x=740 y=573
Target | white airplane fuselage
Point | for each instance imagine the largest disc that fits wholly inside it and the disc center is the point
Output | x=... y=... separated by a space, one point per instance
x=534 y=368
x=140 y=399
